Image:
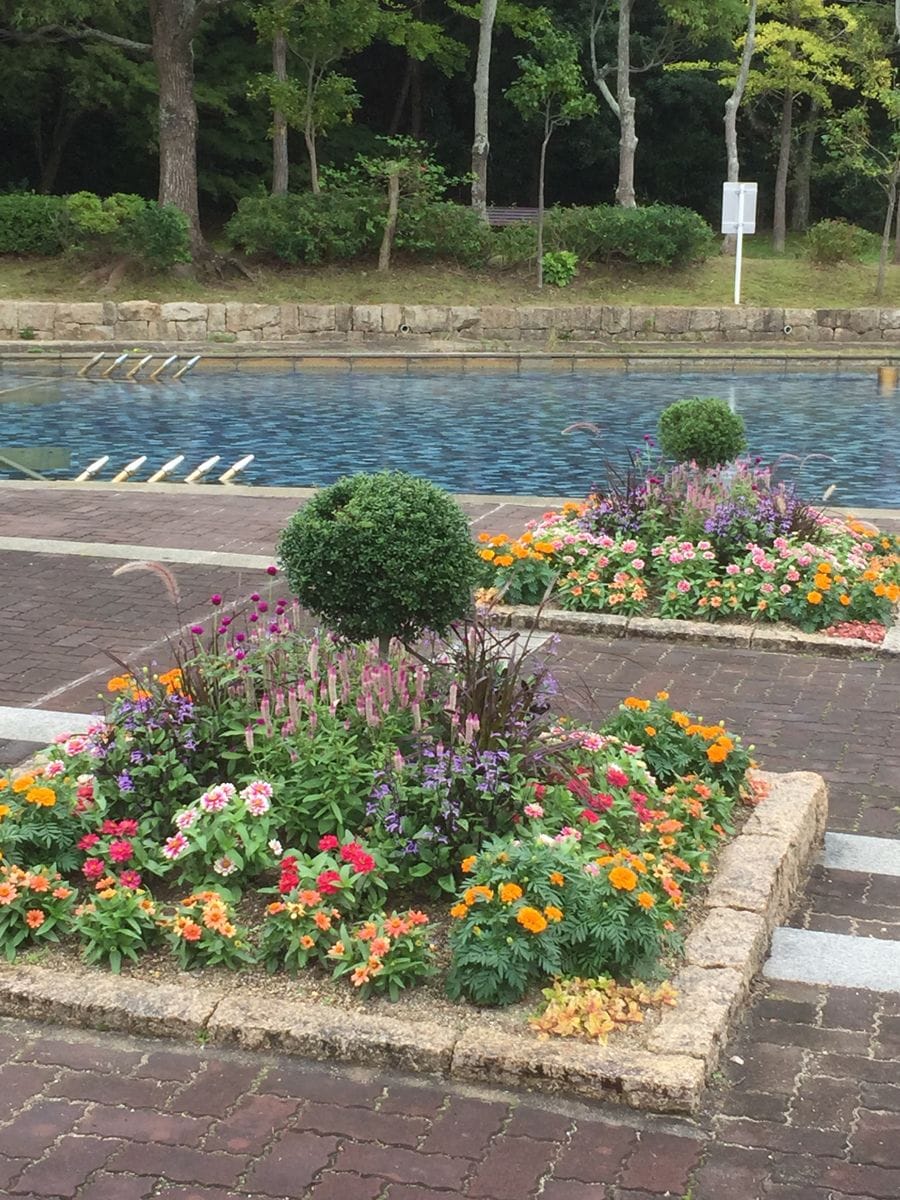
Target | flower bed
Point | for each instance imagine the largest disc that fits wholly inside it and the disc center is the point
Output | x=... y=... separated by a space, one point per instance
x=300 y=804
x=726 y=542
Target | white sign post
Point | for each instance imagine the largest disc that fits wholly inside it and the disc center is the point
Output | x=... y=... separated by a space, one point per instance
x=738 y=217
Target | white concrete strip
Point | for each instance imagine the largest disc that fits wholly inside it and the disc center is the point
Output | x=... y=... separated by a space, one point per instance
x=834 y=960
x=205 y=558
x=38 y=724
x=869 y=855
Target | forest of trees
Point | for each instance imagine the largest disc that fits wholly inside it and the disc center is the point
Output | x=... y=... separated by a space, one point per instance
x=201 y=102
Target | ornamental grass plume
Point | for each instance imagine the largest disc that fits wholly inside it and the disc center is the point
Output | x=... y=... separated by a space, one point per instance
x=162 y=572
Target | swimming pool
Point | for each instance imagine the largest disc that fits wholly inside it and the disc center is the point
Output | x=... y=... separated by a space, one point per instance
x=498 y=433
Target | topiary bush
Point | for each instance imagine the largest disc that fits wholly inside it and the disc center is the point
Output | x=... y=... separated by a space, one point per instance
x=381 y=556
x=32 y=224
x=701 y=429
x=835 y=241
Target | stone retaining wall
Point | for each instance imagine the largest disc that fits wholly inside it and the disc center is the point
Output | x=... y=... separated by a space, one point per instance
x=144 y=320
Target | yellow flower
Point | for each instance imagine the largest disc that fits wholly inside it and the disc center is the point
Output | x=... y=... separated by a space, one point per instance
x=636 y=703
x=5 y=810
x=510 y=892
x=662 y=695
x=531 y=919
x=487 y=555
x=650 y=730
x=23 y=783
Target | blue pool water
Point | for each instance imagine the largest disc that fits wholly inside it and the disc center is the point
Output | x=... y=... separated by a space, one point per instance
x=468 y=432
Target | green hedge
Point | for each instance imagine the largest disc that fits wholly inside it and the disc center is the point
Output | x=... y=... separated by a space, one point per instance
x=304 y=228
x=85 y=223
x=657 y=235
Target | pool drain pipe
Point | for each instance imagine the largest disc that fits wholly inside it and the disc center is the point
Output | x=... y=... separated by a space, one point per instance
x=166 y=469
x=404 y=328
x=198 y=472
x=228 y=475
x=129 y=469
x=97 y=465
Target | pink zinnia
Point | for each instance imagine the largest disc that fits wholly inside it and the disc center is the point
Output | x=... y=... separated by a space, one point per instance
x=93 y=868
x=328 y=883
x=217 y=797
x=128 y=827
x=89 y=839
x=120 y=851
x=534 y=811
x=328 y=842
x=184 y=820
x=130 y=879
x=175 y=845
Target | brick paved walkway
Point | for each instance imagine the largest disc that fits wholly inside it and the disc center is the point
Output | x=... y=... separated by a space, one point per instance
x=808 y=1105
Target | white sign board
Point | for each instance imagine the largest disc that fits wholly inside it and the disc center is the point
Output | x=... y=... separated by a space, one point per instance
x=739 y=208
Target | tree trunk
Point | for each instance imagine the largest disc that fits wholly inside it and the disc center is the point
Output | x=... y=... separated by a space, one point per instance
x=548 y=129
x=732 y=104
x=280 y=164
x=897 y=229
x=174 y=60
x=480 y=143
x=309 y=137
x=627 y=135
x=779 y=221
x=387 y=240
x=886 y=232
x=803 y=171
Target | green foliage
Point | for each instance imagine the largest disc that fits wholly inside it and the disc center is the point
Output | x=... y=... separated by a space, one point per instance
x=383 y=555
x=158 y=235
x=31 y=224
x=834 y=241
x=560 y=267
x=118 y=924
x=514 y=244
x=303 y=228
x=440 y=229
x=657 y=235
x=38 y=823
x=551 y=85
x=701 y=429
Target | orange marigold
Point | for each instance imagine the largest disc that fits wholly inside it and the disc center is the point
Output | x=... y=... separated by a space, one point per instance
x=43 y=797
x=479 y=892
x=552 y=913
x=557 y=879
x=716 y=753
x=468 y=864
x=531 y=919
x=636 y=703
x=510 y=892
x=623 y=878
x=458 y=911
x=645 y=900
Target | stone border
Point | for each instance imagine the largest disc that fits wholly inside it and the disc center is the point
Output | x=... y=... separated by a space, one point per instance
x=237 y=321
x=702 y=633
x=664 y=1067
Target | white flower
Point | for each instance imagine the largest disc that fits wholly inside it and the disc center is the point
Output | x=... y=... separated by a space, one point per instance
x=224 y=865
x=184 y=820
x=276 y=847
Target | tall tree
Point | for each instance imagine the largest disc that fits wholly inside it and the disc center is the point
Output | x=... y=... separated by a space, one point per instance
x=481 y=141
x=551 y=89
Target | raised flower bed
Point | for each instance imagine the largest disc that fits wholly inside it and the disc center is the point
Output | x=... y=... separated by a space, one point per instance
x=722 y=544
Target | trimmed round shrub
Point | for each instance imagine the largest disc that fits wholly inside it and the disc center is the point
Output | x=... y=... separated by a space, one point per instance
x=381 y=556
x=32 y=224
x=835 y=241
x=701 y=429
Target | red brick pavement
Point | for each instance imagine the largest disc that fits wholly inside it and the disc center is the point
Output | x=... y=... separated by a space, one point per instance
x=809 y=1110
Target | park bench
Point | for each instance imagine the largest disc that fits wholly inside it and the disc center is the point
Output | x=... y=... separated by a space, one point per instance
x=510 y=216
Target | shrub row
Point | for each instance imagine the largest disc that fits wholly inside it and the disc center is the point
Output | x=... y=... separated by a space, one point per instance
x=84 y=223
x=335 y=226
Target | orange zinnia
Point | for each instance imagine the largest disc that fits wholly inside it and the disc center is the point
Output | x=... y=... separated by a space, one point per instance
x=34 y=918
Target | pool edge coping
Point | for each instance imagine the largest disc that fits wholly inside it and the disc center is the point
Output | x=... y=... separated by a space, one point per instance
x=757 y=875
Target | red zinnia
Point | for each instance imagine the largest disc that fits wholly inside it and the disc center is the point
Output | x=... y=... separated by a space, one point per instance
x=120 y=851
x=325 y=883
x=328 y=842
x=89 y=839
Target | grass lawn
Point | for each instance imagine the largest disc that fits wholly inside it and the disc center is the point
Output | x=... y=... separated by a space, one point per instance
x=788 y=280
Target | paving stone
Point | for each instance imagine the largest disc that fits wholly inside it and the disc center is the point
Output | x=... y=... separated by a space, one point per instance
x=511 y=1169
x=313 y=1084
x=143 y=1125
x=407 y=1098
x=662 y=1163
x=169 y=1065
x=850 y=852
x=37 y=1127
x=767 y=1068
x=180 y=1164
x=83 y=1055
x=21 y=1082
x=875 y=1138
x=571 y=1189
x=539 y=1124
x=117 y=1187
x=291 y=1164
x=846 y=1008
x=403 y=1166
x=731 y=1171
x=110 y=1089
x=465 y=1127
x=881 y=1097
x=214 y=1090
x=339 y=1186
x=67 y=1169
x=831 y=958
x=780 y=1136
x=252 y=1125
x=595 y=1153
x=365 y=1125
